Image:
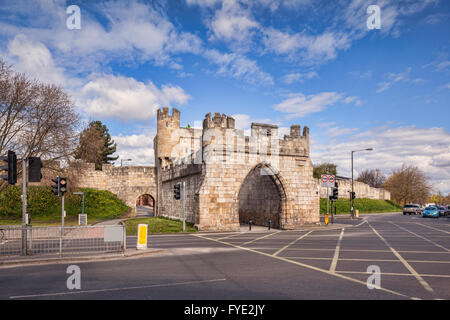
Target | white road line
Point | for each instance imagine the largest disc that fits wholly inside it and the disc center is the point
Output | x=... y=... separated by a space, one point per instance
x=419 y=236
x=233 y=235
x=336 y=252
x=115 y=289
x=291 y=243
x=399 y=274
x=304 y=265
x=432 y=227
x=405 y=263
x=267 y=235
x=365 y=260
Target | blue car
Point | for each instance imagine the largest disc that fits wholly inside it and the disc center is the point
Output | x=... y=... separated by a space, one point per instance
x=431 y=211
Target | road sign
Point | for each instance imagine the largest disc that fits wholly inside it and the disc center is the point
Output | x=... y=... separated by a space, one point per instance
x=328 y=180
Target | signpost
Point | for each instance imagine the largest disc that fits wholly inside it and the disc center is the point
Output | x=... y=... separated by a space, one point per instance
x=327 y=181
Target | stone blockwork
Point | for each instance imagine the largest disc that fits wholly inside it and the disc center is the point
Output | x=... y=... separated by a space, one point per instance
x=219 y=163
x=128 y=183
x=361 y=190
x=230 y=178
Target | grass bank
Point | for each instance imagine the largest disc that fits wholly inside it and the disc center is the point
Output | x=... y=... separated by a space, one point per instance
x=158 y=225
x=363 y=205
x=45 y=208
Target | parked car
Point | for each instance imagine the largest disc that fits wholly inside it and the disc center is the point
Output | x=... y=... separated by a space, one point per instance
x=412 y=209
x=431 y=211
x=443 y=210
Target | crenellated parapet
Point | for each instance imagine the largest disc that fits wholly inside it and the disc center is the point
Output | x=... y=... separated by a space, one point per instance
x=218 y=121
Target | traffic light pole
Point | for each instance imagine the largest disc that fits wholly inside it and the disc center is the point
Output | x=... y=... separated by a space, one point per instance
x=62 y=225
x=351 y=195
x=24 y=207
x=184 y=206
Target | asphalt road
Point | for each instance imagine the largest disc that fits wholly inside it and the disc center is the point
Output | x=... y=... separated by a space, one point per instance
x=412 y=254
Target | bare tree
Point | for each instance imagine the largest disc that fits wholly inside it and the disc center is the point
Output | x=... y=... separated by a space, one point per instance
x=374 y=178
x=408 y=184
x=36 y=119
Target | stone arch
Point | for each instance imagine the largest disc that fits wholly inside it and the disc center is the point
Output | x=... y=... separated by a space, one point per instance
x=145 y=204
x=262 y=196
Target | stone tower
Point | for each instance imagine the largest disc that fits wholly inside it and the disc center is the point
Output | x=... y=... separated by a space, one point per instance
x=167 y=137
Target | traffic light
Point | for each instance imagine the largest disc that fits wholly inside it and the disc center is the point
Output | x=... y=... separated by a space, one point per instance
x=56 y=188
x=11 y=168
x=62 y=185
x=335 y=191
x=353 y=195
x=177 y=191
x=34 y=169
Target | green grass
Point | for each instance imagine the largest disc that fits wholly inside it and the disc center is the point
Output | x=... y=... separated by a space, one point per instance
x=45 y=208
x=363 y=205
x=158 y=225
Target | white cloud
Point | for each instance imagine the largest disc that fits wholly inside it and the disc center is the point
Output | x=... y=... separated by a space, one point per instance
x=33 y=57
x=299 y=77
x=233 y=23
x=131 y=31
x=126 y=98
x=137 y=147
x=427 y=148
x=239 y=67
x=393 y=78
x=298 y=105
x=311 y=49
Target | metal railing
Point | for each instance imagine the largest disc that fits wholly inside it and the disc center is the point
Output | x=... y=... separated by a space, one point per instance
x=61 y=241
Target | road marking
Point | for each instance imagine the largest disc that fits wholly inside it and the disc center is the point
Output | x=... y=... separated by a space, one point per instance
x=405 y=263
x=291 y=243
x=432 y=227
x=302 y=265
x=365 y=260
x=356 y=250
x=233 y=235
x=399 y=274
x=116 y=289
x=336 y=252
x=419 y=236
x=267 y=235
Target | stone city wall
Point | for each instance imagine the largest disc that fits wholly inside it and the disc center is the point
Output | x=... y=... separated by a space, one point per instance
x=128 y=183
x=361 y=190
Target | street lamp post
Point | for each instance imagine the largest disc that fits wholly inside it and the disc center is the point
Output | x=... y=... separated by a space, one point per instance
x=121 y=161
x=352 y=211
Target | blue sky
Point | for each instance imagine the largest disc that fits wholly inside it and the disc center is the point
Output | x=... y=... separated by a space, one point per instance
x=284 y=62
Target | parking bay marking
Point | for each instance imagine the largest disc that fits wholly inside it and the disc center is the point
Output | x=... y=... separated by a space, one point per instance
x=302 y=265
x=291 y=243
x=336 y=252
x=432 y=227
x=419 y=236
x=267 y=235
x=405 y=263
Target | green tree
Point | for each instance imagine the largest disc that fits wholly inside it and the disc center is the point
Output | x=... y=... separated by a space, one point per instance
x=324 y=168
x=109 y=145
x=95 y=145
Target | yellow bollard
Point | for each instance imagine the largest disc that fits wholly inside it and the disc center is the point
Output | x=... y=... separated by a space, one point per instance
x=357 y=213
x=142 y=236
x=326 y=219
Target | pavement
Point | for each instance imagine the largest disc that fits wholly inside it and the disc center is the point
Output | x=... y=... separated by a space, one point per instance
x=411 y=253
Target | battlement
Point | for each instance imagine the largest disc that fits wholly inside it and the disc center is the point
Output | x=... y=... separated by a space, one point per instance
x=164 y=114
x=218 y=121
x=262 y=129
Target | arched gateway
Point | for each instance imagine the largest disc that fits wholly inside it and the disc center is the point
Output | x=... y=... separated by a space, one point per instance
x=262 y=198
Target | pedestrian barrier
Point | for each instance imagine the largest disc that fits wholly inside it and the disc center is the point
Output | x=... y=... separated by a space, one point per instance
x=29 y=240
